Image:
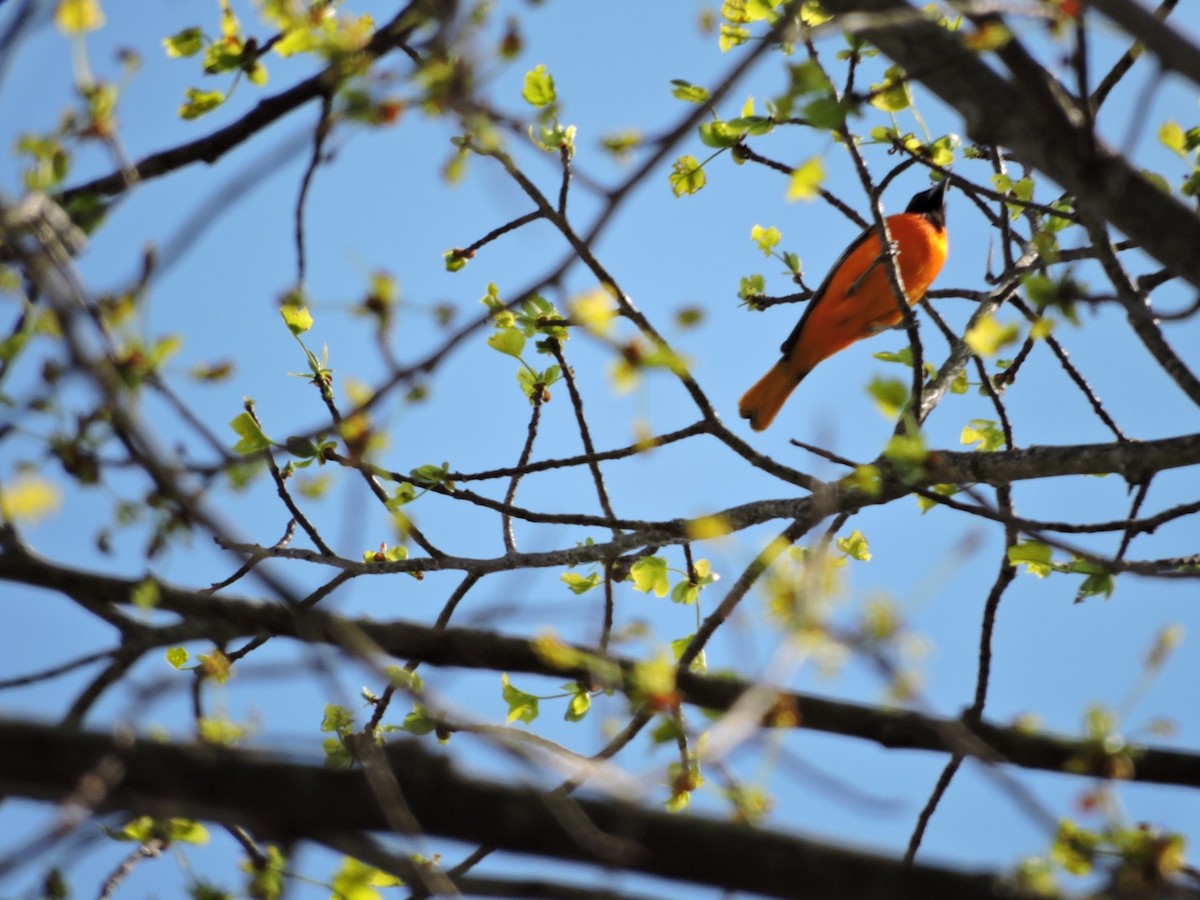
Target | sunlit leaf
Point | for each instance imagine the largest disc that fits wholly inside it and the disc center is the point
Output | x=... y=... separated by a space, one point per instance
x=806 y=179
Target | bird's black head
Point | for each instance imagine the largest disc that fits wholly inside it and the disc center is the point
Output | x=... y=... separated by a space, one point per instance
x=931 y=203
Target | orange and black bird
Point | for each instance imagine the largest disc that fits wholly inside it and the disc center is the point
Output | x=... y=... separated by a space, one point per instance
x=855 y=300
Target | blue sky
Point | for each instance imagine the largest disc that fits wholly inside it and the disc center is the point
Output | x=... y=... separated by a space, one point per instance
x=381 y=204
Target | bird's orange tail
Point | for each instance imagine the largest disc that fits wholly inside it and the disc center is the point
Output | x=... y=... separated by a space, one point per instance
x=762 y=402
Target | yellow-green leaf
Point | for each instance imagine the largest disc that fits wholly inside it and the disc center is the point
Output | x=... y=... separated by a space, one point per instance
x=538 y=89
x=806 y=180
x=357 y=881
x=509 y=341
x=983 y=432
x=521 y=706
x=890 y=395
x=991 y=36
x=766 y=238
x=28 y=499
x=1172 y=137
x=987 y=336
x=145 y=594
x=252 y=437
x=649 y=575
x=79 y=16
x=215 y=665
x=1034 y=556
x=188 y=42
x=594 y=310
x=732 y=36
x=892 y=94
x=687 y=177
x=200 y=102
x=580 y=584
x=177 y=657
x=297 y=318
x=855 y=546
x=685 y=90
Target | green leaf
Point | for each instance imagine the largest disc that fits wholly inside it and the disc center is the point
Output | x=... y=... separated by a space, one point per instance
x=177 y=657
x=146 y=594
x=987 y=336
x=941 y=151
x=989 y=36
x=944 y=490
x=186 y=831
x=890 y=395
x=357 y=881
x=225 y=55
x=892 y=94
x=266 y=878
x=252 y=437
x=809 y=77
x=907 y=451
x=184 y=43
x=759 y=10
x=766 y=238
x=431 y=475
x=419 y=722
x=455 y=259
x=806 y=179
x=337 y=754
x=1098 y=581
x=753 y=125
x=685 y=90
x=538 y=89
x=553 y=137
x=855 y=546
x=1034 y=556
x=257 y=73
x=685 y=593
x=825 y=112
x=78 y=16
x=985 y=433
x=199 y=103
x=902 y=356
x=1172 y=136
x=687 y=177
x=732 y=36
x=1074 y=848
x=1046 y=244
x=622 y=143
x=1022 y=190
x=813 y=14
x=579 y=584
x=404 y=493
x=751 y=286
x=649 y=575
x=581 y=702
x=216 y=665
x=337 y=719
x=297 y=318
x=521 y=706
x=719 y=135
x=145 y=829
x=509 y=341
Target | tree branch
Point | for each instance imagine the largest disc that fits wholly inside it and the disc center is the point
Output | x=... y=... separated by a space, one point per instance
x=229 y=618
x=286 y=800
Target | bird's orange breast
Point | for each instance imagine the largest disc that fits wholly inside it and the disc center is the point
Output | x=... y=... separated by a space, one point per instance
x=858 y=301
